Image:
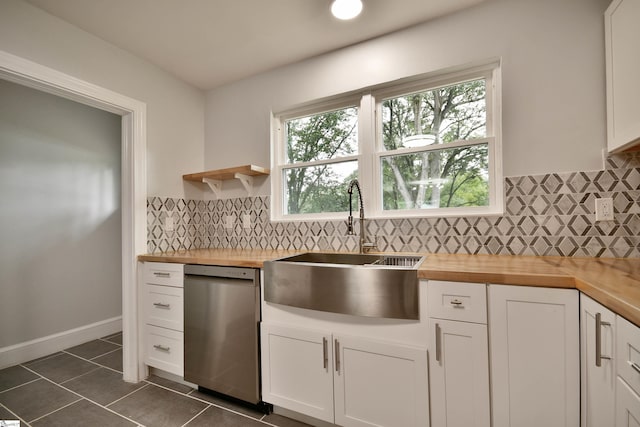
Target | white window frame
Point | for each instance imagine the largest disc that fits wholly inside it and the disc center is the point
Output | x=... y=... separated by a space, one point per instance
x=371 y=150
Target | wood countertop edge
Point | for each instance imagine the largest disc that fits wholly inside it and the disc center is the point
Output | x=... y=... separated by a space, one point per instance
x=559 y=273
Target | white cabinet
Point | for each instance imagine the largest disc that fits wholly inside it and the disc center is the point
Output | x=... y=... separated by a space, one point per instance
x=627 y=406
x=459 y=356
x=628 y=369
x=597 y=351
x=162 y=308
x=297 y=370
x=535 y=361
x=342 y=379
x=622 y=34
x=379 y=384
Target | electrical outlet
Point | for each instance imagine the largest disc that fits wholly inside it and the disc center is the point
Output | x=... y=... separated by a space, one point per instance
x=228 y=221
x=246 y=221
x=168 y=224
x=604 y=209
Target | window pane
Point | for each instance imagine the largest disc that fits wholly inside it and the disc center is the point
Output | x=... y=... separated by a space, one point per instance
x=318 y=189
x=444 y=178
x=438 y=116
x=322 y=136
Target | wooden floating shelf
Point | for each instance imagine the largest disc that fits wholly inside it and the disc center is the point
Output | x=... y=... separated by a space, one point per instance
x=214 y=178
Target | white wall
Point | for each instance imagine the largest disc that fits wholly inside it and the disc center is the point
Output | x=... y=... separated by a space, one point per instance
x=552 y=53
x=60 y=262
x=175 y=110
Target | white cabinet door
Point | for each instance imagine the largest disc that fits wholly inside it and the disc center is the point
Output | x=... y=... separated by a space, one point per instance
x=627 y=406
x=622 y=33
x=597 y=344
x=379 y=384
x=297 y=370
x=535 y=360
x=459 y=374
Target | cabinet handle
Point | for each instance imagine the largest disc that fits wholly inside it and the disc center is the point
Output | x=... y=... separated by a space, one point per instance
x=337 y=352
x=325 y=353
x=634 y=366
x=161 y=305
x=438 y=343
x=162 y=348
x=456 y=303
x=599 y=325
x=160 y=274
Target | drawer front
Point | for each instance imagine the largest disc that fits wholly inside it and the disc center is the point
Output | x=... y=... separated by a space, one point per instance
x=164 y=273
x=164 y=306
x=627 y=405
x=461 y=301
x=164 y=349
x=628 y=352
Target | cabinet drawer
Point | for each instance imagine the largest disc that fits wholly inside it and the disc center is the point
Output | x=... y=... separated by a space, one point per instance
x=164 y=306
x=164 y=273
x=461 y=301
x=628 y=352
x=164 y=349
x=627 y=405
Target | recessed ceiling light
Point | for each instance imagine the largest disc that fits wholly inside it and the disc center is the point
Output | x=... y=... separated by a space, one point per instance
x=346 y=9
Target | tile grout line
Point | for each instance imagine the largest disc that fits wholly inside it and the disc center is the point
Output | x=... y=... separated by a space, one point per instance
x=19 y=385
x=104 y=354
x=56 y=410
x=196 y=415
x=91 y=361
x=190 y=395
x=14 y=414
x=126 y=395
x=148 y=383
x=85 y=398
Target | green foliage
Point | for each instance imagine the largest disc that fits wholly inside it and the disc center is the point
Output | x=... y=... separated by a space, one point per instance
x=320 y=137
x=436 y=178
x=445 y=177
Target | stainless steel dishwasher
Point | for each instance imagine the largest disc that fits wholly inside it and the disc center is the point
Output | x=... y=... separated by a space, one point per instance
x=221 y=330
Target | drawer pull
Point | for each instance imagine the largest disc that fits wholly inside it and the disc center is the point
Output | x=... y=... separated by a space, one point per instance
x=456 y=303
x=599 y=325
x=634 y=366
x=337 y=352
x=325 y=353
x=162 y=348
x=161 y=274
x=438 y=342
x=161 y=305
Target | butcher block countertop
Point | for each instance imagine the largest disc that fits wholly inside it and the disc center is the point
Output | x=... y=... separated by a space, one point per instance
x=614 y=282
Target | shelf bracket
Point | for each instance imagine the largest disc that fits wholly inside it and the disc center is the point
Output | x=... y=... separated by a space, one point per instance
x=215 y=185
x=247 y=182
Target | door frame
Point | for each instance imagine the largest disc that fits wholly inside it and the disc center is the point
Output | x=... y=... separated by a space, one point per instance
x=134 y=179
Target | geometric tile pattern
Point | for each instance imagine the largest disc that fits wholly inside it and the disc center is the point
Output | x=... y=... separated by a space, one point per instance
x=550 y=214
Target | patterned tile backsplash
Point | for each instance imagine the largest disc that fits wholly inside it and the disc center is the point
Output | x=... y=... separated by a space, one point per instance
x=550 y=214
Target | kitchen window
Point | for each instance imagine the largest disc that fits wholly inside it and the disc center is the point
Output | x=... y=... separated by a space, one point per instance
x=427 y=146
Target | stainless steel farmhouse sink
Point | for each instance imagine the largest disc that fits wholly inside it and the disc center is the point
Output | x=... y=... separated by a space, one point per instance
x=357 y=284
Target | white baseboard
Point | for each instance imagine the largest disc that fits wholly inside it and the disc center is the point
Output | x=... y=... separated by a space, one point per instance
x=29 y=350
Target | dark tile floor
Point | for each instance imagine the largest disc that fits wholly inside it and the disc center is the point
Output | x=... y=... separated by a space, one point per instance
x=83 y=386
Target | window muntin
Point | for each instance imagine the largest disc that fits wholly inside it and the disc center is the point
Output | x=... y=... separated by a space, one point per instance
x=432 y=176
x=437 y=116
x=473 y=187
x=321 y=158
x=439 y=178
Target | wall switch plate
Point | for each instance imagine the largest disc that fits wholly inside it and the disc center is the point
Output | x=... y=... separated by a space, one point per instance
x=168 y=224
x=604 y=209
x=228 y=221
x=246 y=221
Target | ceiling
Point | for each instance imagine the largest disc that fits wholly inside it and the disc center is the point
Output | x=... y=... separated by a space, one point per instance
x=209 y=43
